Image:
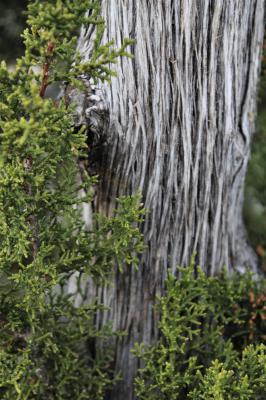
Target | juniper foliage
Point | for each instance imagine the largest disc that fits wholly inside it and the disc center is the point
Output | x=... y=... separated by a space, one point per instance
x=212 y=340
x=46 y=343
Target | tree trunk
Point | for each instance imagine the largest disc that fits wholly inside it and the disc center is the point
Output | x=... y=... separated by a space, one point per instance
x=181 y=117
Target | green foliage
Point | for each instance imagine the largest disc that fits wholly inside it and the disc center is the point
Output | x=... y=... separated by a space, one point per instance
x=52 y=354
x=244 y=379
x=206 y=330
x=58 y=23
x=255 y=196
x=47 y=345
x=255 y=201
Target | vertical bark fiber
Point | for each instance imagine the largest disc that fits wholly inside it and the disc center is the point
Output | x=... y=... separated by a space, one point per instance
x=181 y=116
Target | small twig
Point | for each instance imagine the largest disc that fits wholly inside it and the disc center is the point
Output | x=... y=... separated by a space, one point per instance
x=28 y=162
x=46 y=67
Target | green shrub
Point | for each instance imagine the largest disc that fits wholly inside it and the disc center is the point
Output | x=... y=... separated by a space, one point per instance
x=47 y=345
x=204 y=350
x=255 y=190
x=244 y=379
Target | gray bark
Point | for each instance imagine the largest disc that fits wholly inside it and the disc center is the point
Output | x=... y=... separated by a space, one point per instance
x=179 y=126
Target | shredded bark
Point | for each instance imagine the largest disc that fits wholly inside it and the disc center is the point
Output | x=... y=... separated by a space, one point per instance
x=181 y=121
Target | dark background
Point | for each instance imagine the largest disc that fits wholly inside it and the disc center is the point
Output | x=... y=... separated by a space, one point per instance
x=11 y=25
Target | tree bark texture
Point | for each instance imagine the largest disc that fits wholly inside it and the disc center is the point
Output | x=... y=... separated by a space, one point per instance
x=178 y=122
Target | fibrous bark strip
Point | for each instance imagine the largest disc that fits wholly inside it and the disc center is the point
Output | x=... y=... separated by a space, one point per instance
x=181 y=120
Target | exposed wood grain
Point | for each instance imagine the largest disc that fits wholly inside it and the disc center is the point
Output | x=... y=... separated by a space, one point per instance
x=181 y=120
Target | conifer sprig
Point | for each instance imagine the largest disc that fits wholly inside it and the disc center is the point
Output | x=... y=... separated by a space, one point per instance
x=46 y=343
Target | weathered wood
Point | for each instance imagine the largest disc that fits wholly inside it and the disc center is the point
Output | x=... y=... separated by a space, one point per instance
x=181 y=120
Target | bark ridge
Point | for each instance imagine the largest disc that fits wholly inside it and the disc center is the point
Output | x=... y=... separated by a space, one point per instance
x=181 y=117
